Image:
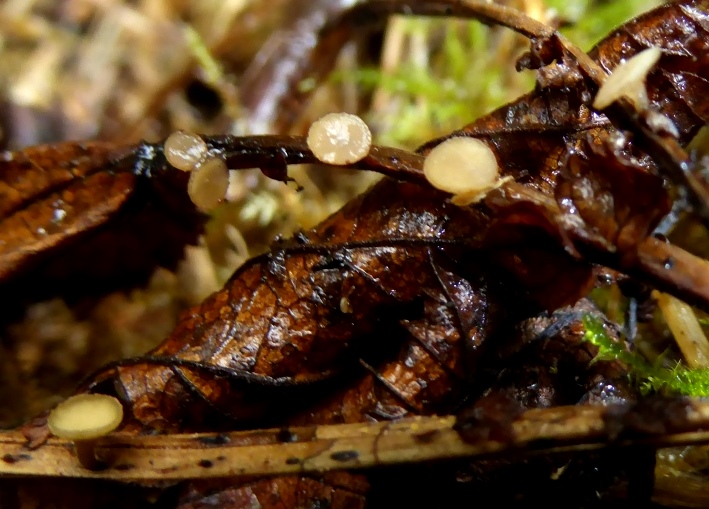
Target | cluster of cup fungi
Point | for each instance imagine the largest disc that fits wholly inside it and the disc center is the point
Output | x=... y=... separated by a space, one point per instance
x=209 y=175
x=462 y=166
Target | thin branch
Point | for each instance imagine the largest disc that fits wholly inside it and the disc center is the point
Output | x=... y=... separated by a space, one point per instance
x=272 y=152
x=352 y=446
x=674 y=270
x=665 y=266
x=668 y=267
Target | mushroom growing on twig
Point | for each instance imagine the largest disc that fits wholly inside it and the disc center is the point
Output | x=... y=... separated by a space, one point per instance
x=209 y=183
x=628 y=80
x=185 y=151
x=84 y=419
x=339 y=138
x=465 y=167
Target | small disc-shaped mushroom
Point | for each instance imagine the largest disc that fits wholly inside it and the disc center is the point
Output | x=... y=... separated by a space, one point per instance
x=83 y=419
x=463 y=166
x=209 y=183
x=339 y=138
x=628 y=80
x=185 y=151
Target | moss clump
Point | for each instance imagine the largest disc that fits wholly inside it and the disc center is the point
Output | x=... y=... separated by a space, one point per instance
x=651 y=378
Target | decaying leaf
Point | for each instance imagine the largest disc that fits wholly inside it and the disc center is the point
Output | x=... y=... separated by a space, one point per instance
x=81 y=218
x=400 y=304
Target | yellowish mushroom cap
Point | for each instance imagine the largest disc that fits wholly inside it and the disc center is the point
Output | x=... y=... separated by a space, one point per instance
x=461 y=165
x=184 y=150
x=339 y=138
x=85 y=417
x=208 y=184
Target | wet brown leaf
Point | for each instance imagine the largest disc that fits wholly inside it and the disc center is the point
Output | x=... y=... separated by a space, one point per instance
x=81 y=218
x=401 y=303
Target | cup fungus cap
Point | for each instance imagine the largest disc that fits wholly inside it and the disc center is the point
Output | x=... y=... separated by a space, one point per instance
x=461 y=166
x=85 y=417
x=185 y=151
x=208 y=184
x=628 y=80
x=339 y=138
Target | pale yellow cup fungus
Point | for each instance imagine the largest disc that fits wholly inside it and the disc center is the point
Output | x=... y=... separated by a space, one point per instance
x=209 y=183
x=185 y=151
x=339 y=138
x=628 y=80
x=209 y=178
x=465 y=167
x=84 y=419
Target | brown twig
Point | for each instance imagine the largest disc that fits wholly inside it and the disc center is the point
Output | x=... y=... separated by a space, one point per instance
x=276 y=152
x=321 y=448
x=666 y=266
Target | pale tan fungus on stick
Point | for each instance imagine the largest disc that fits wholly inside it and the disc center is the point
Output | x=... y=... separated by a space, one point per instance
x=628 y=80
x=465 y=167
x=208 y=184
x=185 y=151
x=84 y=419
x=339 y=138
x=685 y=328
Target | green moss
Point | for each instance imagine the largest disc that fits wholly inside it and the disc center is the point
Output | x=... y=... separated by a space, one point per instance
x=592 y=20
x=452 y=72
x=651 y=378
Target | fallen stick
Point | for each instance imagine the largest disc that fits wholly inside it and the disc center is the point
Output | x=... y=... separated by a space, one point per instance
x=672 y=422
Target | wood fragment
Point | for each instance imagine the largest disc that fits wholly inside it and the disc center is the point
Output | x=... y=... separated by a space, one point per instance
x=355 y=446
